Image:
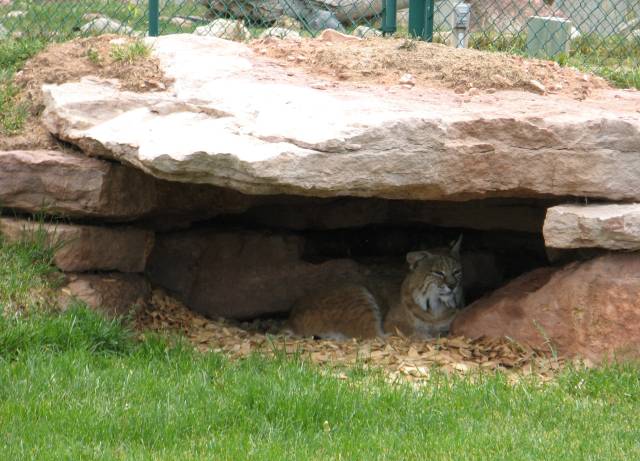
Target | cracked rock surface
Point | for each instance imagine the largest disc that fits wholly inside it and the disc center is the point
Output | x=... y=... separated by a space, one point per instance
x=237 y=120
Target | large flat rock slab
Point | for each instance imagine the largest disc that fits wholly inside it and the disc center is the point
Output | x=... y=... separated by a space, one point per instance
x=81 y=248
x=610 y=226
x=237 y=120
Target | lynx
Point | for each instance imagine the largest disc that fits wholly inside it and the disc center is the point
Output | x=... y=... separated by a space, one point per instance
x=425 y=306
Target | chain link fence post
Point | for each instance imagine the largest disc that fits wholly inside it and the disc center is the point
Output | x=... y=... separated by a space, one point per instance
x=389 y=20
x=428 y=28
x=154 y=18
x=416 y=17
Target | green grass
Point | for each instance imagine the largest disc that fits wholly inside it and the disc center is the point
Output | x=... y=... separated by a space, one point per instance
x=616 y=58
x=13 y=111
x=130 y=52
x=76 y=386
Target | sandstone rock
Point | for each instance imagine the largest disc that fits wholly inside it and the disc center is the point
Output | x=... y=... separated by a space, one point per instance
x=104 y=25
x=16 y=14
x=182 y=22
x=82 y=248
x=247 y=125
x=366 y=32
x=288 y=23
x=227 y=29
x=73 y=185
x=330 y=35
x=614 y=227
x=589 y=309
x=280 y=32
x=114 y=294
x=239 y=274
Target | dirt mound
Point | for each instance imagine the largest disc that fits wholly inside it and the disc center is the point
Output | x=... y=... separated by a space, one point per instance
x=400 y=357
x=392 y=61
x=106 y=56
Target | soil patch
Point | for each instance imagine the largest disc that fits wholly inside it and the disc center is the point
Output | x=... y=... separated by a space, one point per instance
x=393 y=61
x=399 y=357
x=70 y=61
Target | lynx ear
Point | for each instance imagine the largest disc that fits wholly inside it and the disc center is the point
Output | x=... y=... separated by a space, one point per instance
x=455 y=248
x=415 y=257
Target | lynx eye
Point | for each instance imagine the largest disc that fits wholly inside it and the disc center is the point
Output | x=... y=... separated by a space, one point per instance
x=438 y=273
x=457 y=272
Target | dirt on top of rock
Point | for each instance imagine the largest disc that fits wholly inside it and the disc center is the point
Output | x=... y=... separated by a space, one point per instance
x=395 y=61
x=105 y=56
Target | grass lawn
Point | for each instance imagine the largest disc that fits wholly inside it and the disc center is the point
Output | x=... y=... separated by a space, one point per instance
x=76 y=386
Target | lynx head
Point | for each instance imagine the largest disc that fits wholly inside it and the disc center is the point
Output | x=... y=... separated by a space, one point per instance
x=433 y=287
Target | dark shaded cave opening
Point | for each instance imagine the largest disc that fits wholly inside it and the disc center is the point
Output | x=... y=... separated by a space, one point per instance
x=256 y=263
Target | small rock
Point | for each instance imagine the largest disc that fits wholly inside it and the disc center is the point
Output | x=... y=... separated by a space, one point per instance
x=288 y=23
x=181 y=22
x=16 y=14
x=537 y=86
x=407 y=80
x=227 y=29
x=473 y=91
x=501 y=82
x=281 y=33
x=91 y=16
x=104 y=25
x=575 y=33
x=112 y=293
x=366 y=32
x=330 y=35
x=118 y=41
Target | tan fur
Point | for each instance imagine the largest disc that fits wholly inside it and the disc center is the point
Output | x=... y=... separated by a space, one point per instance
x=424 y=306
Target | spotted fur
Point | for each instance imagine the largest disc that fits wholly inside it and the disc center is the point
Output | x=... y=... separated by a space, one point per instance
x=425 y=306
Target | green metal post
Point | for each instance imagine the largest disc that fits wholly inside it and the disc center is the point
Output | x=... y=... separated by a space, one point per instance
x=154 y=18
x=428 y=28
x=416 y=17
x=389 y=21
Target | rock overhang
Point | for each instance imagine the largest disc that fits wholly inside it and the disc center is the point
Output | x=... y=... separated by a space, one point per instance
x=238 y=120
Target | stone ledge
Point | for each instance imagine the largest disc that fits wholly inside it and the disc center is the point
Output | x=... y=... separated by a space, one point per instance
x=83 y=248
x=611 y=226
x=247 y=123
x=72 y=185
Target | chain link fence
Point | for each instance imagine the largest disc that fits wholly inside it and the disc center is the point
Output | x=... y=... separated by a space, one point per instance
x=598 y=35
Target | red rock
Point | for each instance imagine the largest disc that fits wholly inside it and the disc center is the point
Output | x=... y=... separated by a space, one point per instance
x=82 y=248
x=111 y=293
x=589 y=309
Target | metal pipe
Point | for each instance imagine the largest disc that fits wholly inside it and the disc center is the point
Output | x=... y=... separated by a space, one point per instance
x=154 y=18
x=416 y=17
x=428 y=29
x=389 y=20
